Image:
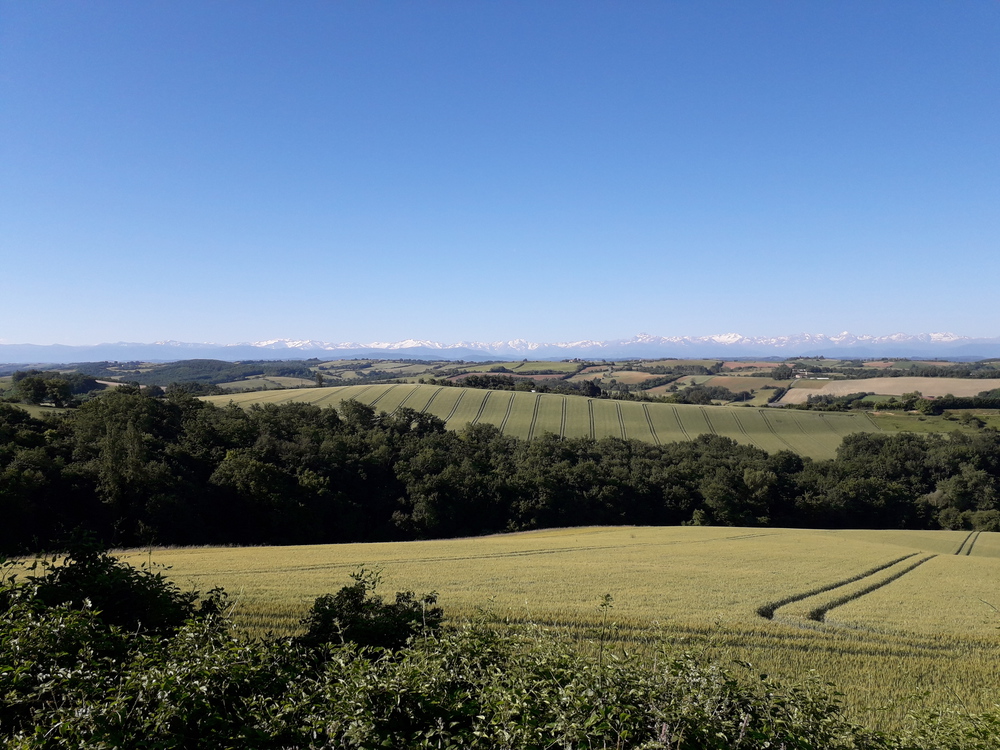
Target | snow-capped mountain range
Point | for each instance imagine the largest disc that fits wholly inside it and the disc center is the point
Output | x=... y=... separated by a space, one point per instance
x=930 y=345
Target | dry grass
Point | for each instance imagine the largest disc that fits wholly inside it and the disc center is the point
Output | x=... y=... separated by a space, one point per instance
x=755 y=365
x=737 y=383
x=889 y=387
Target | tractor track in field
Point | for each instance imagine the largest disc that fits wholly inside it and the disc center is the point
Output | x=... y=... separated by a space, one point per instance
x=590 y=413
x=382 y=395
x=506 y=416
x=621 y=421
x=408 y=397
x=802 y=429
x=534 y=417
x=455 y=407
x=680 y=424
x=968 y=550
x=708 y=420
x=964 y=541
x=875 y=424
x=562 y=420
x=317 y=399
x=357 y=396
x=649 y=421
x=968 y=543
x=774 y=431
x=767 y=610
x=826 y=423
x=431 y=399
x=819 y=614
x=743 y=429
x=482 y=407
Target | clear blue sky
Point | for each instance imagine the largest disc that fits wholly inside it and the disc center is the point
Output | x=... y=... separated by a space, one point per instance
x=359 y=171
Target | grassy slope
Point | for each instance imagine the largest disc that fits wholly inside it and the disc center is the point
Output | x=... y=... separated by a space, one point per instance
x=808 y=433
x=929 y=630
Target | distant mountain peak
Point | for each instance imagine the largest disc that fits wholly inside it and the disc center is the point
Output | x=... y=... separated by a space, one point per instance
x=640 y=346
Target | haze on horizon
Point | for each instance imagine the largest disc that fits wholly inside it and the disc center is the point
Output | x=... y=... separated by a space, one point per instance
x=453 y=171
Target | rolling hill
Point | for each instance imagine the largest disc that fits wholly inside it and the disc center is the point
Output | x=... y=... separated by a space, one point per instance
x=527 y=415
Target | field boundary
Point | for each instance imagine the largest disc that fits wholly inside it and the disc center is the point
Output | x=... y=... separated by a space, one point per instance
x=767 y=610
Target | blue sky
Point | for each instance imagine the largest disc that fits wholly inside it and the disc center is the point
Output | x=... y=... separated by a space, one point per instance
x=359 y=171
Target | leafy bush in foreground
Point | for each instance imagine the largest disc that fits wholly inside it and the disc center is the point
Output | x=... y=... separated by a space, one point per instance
x=359 y=615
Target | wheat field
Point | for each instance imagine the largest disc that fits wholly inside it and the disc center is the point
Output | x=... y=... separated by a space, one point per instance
x=913 y=618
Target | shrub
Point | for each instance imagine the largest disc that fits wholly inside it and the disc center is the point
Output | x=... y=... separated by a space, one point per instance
x=136 y=600
x=357 y=614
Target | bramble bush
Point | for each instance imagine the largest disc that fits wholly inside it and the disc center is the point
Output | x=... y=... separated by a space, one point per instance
x=359 y=615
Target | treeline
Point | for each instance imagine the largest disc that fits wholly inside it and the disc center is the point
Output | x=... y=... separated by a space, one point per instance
x=59 y=389
x=906 y=402
x=706 y=394
x=137 y=470
x=498 y=382
x=214 y=371
x=972 y=370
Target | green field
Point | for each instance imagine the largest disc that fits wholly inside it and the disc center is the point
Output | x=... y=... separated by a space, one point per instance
x=520 y=367
x=891 y=421
x=905 y=612
x=264 y=383
x=41 y=411
x=522 y=414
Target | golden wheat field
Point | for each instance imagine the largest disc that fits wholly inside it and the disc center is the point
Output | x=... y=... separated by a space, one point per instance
x=906 y=618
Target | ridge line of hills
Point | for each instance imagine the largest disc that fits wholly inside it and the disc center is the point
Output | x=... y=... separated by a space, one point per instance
x=926 y=345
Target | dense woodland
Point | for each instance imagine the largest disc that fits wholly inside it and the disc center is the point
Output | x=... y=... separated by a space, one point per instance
x=134 y=469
